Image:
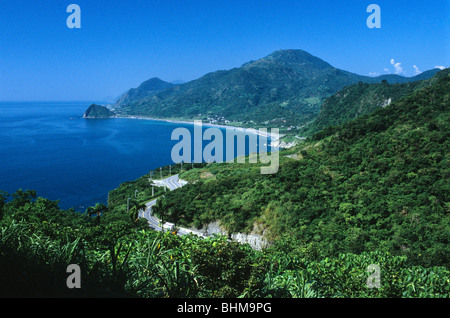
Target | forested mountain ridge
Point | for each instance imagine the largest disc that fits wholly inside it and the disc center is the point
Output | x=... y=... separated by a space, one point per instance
x=360 y=99
x=286 y=87
x=146 y=89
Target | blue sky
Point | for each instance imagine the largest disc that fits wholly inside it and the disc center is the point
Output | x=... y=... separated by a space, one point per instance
x=122 y=43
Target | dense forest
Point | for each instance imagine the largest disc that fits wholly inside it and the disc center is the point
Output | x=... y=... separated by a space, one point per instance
x=378 y=182
x=360 y=99
x=285 y=88
x=373 y=190
x=122 y=258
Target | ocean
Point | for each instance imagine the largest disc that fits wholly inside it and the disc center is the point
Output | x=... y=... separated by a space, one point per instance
x=49 y=147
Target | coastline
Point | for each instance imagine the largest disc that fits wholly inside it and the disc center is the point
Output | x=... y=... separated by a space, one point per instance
x=270 y=135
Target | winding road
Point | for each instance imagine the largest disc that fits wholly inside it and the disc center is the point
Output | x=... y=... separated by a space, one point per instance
x=172 y=182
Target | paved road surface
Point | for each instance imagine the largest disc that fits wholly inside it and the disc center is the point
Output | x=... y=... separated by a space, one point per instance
x=172 y=183
x=152 y=220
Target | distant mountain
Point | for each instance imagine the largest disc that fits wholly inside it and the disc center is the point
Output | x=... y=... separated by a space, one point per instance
x=396 y=79
x=146 y=89
x=287 y=86
x=98 y=111
x=363 y=98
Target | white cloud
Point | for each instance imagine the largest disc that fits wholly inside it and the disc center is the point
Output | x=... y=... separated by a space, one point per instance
x=387 y=70
x=398 y=67
x=417 y=70
x=374 y=74
x=440 y=67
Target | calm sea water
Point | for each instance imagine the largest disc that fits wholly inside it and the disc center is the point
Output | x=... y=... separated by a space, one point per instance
x=50 y=148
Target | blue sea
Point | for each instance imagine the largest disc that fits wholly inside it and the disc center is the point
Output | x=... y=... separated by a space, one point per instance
x=49 y=147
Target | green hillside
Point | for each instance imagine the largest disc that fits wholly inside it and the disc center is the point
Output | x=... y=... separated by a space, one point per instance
x=286 y=88
x=146 y=89
x=360 y=99
x=379 y=182
x=372 y=191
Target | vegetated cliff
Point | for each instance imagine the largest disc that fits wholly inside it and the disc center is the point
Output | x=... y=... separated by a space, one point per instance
x=98 y=111
x=360 y=99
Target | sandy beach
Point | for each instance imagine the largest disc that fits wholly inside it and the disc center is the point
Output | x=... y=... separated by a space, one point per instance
x=268 y=134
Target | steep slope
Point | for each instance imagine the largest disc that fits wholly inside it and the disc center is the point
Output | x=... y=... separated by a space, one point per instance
x=285 y=88
x=98 y=111
x=361 y=99
x=379 y=182
x=146 y=89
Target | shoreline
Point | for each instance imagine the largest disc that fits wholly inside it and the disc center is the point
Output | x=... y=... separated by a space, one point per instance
x=271 y=135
